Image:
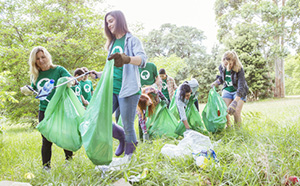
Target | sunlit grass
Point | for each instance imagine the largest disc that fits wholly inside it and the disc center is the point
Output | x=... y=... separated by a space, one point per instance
x=261 y=152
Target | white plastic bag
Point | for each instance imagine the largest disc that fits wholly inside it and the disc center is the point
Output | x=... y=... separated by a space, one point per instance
x=193 y=142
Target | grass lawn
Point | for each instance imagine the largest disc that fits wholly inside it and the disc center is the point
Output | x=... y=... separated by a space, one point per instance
x=262 y=152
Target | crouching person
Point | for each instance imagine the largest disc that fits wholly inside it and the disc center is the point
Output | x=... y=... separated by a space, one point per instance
x=182 y=98
x=149 y=99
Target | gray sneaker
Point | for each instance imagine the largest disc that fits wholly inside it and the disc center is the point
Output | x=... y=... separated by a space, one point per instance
x=47 y=168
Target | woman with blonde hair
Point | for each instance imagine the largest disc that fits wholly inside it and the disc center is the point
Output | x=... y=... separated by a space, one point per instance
x=42 y=70
x=235 y=87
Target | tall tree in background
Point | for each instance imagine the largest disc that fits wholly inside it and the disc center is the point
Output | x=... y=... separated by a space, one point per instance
x=256 y=70
x=184 y=41
x=273 y=32
x=171 y=42
x=70 y=30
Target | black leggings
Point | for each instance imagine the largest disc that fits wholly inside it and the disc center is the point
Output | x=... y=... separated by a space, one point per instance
x=197 y=104
x=46 y=147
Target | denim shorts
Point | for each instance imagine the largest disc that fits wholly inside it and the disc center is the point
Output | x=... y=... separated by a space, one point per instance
x=231 y=95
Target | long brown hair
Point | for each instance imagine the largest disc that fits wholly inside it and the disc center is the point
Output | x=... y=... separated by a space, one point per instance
x=121 y=26
x=142 y=105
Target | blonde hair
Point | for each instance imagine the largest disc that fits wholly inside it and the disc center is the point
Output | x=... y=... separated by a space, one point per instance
x=34 y=69
x=231 y=56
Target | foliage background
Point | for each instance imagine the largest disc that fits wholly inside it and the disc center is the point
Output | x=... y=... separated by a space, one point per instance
x=70 y=30
x=263 y=33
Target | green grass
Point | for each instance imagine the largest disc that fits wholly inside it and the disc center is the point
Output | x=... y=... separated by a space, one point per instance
x=261 y=152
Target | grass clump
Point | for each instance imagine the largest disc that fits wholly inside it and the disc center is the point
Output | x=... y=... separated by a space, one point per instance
x=262 y=152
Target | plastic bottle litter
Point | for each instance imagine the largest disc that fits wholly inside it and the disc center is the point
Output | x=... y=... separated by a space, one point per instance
x=202 y=158
x=45 y=91
x=201 y=161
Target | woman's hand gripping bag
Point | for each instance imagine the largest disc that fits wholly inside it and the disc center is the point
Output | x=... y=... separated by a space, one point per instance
x=62 y=118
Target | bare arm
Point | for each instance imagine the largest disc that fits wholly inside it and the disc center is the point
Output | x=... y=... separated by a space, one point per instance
x=186 y=124
x=135 y=60
x=158 y=83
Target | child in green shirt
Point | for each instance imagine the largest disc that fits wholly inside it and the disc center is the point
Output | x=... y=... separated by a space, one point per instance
x=86 y=86
x=77 y=88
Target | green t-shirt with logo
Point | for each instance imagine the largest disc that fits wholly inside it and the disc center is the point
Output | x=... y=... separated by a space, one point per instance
x=164 y=89
x=86 y=89
x=44 y=76
x=148 y=74
x=77 y=91
x=228 y=82
x=118 y=46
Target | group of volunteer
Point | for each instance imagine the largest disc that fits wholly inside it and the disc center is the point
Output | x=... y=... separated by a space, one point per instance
x=138 y=87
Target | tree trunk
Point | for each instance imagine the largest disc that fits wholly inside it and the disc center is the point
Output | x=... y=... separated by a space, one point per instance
x=279 y=62
x=279 y=78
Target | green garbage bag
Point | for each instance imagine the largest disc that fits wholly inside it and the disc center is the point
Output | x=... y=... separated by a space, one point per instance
x=214 y=112
x=162 y=122
x=62 y=118
x=173 y=107
x=193 y=118
x=120 y=122
x=96 y=128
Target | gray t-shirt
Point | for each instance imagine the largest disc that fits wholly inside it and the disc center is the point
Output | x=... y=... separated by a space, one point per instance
x=181 y=104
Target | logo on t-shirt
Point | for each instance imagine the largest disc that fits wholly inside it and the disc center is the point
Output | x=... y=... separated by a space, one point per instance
x=42 y=82
x=87 y=88
x=145 y=74
x=228 y=80
x=117 y=49
x=164 y=85
x=77 y=91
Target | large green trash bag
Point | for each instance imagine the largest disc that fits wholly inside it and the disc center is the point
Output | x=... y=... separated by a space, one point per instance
x=120 y=121
x=214 y=112
x=162 y=122
x=62 y=118
x=193 y=118
x=96 y=128
x=173 y=107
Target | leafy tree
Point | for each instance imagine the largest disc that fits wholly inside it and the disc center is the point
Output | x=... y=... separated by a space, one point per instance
x=270 y=19
x=255 y=65
x=292 y=69
x=70 y=30
x=203 y=70
x=184 y=41
x=4 y=95
x=171 y=64
x=180 y=51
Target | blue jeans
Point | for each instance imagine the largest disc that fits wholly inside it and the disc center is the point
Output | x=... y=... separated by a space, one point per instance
x=127 y=107
x=231 y=95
